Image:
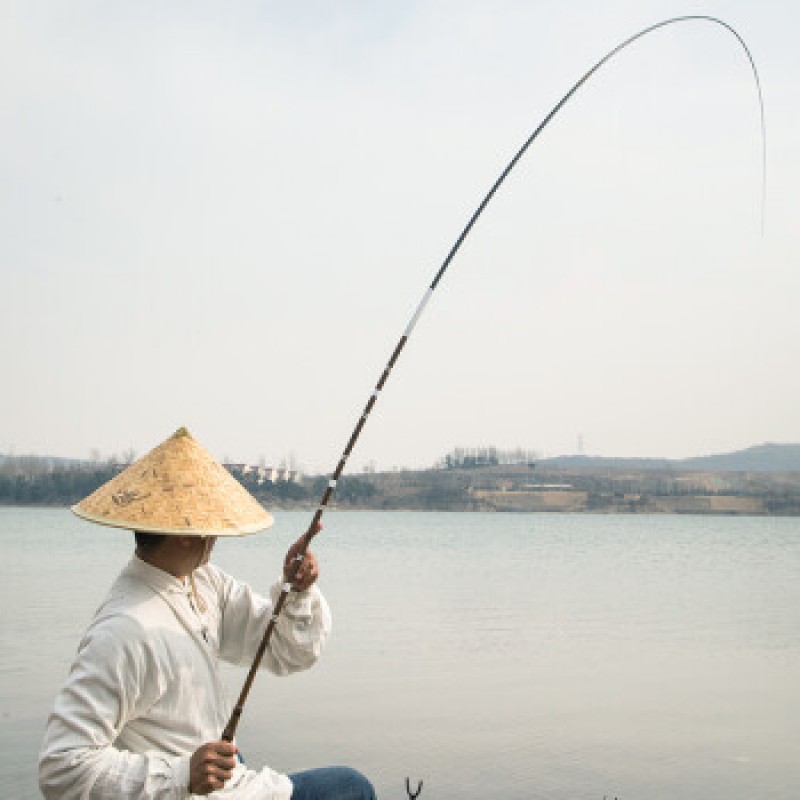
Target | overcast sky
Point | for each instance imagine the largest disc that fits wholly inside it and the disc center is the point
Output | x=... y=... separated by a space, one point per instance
x=222 y=215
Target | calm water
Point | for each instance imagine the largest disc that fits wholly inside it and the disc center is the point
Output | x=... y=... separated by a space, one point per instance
x=503 y=656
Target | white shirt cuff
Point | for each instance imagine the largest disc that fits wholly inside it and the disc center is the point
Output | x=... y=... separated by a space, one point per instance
x=180 y=776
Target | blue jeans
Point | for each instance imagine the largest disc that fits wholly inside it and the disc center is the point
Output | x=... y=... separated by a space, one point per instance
x=331 y=783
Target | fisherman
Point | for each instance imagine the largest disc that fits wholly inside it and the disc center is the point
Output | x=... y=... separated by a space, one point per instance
x=141 y=712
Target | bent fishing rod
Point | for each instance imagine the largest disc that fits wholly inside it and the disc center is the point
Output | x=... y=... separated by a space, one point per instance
x=314 y=526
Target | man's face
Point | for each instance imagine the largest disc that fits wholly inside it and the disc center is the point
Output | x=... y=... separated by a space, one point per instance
x=208 y=543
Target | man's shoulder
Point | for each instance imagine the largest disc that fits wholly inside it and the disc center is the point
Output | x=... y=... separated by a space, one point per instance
x=121 y=616
x=134 y=633
x=131 y=607
x=112 y=637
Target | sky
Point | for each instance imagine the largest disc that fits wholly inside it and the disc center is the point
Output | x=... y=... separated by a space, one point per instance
x=223 y=215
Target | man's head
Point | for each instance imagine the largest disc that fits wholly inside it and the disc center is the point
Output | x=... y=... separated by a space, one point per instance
x=178 y=555
x=148 y=542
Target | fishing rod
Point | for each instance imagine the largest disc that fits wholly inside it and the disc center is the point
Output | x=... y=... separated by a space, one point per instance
x=314 y=525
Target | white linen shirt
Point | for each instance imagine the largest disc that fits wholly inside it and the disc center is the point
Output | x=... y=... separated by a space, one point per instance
x=145 y=692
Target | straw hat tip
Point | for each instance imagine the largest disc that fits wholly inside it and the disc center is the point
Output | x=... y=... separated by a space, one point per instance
x=182 y=431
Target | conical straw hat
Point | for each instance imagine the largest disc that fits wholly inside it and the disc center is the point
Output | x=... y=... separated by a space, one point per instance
x=177 y=488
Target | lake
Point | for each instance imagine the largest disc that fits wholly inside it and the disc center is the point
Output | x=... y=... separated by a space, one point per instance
x=490 y=655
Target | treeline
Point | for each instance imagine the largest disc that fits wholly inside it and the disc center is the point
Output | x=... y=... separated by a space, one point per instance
x=350 y=491
x=36 y=482
x=53 y=487
x=475 y=457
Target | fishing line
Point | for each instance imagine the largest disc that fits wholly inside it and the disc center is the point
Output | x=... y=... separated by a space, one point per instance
x=314 y=526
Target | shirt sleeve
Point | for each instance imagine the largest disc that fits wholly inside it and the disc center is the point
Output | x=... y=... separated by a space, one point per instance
x=106 y=687
x=300 y=631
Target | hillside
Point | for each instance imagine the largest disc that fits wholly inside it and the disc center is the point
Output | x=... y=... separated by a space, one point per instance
x=578 y=489
x=758 y=458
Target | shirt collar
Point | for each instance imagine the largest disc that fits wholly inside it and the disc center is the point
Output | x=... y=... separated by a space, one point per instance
x=157 y=579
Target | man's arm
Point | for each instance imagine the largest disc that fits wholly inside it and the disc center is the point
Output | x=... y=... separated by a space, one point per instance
x=106 y=686
x=300 y=631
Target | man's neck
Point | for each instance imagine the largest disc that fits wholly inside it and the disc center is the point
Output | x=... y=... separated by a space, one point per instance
x=171 y=558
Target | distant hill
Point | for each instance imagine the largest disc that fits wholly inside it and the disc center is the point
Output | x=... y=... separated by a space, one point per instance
x=766 y=457
x=759 y=458
x=603 y=462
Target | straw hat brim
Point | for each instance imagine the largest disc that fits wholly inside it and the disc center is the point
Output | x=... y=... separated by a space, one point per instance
x=245 y=530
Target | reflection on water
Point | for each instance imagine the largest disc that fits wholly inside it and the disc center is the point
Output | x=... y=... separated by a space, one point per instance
x=516 y=656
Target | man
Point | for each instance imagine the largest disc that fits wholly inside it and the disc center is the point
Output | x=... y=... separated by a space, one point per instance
x=141 y=713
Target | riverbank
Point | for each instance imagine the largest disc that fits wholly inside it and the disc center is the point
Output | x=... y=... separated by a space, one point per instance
x=531 y=488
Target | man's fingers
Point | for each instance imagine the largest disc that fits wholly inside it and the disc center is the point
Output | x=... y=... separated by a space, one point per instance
x=221 y=750
x=214 y=771
x=307 y=573
x=219 y=760
x=213 y=774
x=217 y=772
x=309 y=561
x=212 y=765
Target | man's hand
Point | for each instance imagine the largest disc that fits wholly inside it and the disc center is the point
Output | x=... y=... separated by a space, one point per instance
x=309 y=569
x=210 y=766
